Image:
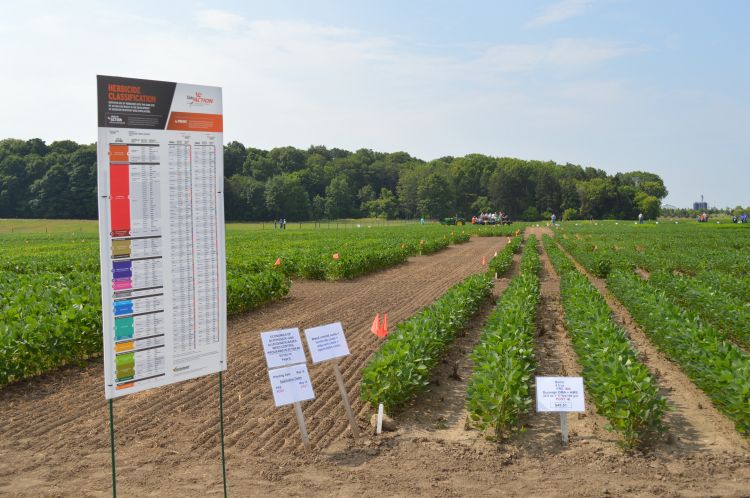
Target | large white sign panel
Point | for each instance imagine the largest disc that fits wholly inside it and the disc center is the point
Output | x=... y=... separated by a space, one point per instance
x=326 y=342
x=291 y=384
x=282 y=347
x=161 y=232
x=559 y=394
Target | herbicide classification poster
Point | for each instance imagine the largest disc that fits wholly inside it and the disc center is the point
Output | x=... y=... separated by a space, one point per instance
x=161 y=232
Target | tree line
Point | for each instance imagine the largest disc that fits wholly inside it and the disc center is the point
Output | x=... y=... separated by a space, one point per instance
x=58 y=180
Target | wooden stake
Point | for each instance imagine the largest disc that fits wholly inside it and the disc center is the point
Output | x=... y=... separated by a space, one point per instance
x=345 y=400
x=564 y=426
x=301 y=423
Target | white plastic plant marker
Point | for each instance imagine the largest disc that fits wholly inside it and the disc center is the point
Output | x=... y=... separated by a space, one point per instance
x=379 y=428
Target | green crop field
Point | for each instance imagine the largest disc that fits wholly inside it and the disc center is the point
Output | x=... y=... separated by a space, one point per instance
x=50 y=311
x=686 y=284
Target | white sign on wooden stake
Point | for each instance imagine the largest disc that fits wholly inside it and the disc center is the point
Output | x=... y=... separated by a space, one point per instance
x=562 y=395
x=559 y=394
x=291 y=384
x=283 y=347
x=326 y=342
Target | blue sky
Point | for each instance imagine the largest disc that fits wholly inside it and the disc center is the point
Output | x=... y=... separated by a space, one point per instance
x=662 y=86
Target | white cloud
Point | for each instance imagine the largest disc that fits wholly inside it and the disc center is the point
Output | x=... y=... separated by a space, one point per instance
x=559 y=12
x=218 y=19
x=560 y=53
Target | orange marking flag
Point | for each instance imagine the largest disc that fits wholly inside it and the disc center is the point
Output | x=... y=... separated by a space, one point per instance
x=278 y=262
x=384 y=329
x=375 y=327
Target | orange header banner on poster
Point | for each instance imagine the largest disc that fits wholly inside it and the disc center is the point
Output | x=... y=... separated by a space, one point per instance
x=191 y=121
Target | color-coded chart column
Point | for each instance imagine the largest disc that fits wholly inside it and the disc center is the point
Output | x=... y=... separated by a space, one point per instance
x=122 y=275
x=136 y=263
x=119 y=190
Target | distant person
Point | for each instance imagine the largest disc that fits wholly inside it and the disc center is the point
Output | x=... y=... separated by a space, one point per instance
x=275 y=222
x=283 y=223
x=554 y=219
x=744 y=218
x=640 y=218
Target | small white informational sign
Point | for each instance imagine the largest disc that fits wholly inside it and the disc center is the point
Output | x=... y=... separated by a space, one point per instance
x=326 y=342
x=291 y=384
x=283 y=347
x=559 y=394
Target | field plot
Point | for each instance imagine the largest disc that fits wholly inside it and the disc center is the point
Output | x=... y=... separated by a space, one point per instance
x=696 y=324
x=53 y=428
x=49 y=282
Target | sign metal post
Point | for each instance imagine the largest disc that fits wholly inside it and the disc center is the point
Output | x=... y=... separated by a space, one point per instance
x=112 y=446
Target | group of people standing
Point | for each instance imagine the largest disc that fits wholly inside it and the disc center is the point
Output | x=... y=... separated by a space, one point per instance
x=490 y=218
x=280 y=223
